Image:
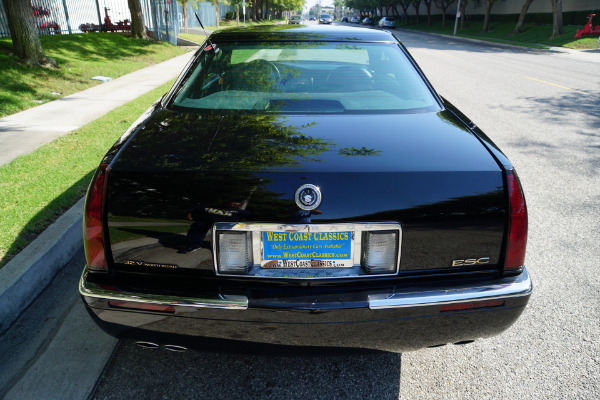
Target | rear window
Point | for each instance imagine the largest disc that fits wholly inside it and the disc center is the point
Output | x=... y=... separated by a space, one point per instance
x=304 y=77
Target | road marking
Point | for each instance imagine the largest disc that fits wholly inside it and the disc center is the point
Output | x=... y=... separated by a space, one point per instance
x=446 y=54
x=554 y=84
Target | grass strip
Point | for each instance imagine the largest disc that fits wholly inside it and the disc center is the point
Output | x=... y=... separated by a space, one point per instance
x=80 y=57
x=530 y=36
x=36 y=188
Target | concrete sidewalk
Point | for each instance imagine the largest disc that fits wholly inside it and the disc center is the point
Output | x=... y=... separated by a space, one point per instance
x=23 y=132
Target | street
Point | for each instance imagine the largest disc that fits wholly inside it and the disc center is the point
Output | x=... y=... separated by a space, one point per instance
x=543 y=110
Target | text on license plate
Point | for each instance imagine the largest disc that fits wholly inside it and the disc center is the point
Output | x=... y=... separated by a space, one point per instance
x=307 y=249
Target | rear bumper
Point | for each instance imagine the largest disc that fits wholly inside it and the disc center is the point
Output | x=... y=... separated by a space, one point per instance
x=386 y=318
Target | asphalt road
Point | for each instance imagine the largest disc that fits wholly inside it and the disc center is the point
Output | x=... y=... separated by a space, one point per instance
x=543 y=110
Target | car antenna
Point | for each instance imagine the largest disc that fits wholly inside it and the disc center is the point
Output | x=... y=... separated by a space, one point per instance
x=210 y=46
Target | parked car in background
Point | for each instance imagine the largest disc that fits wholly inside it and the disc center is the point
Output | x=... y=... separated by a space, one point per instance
x=367 y=21
x=296 y=19
x=304 y=186
x=387 y=22
x=312 y=18
x=325 y=19
x=354 y=20
x=344 y=18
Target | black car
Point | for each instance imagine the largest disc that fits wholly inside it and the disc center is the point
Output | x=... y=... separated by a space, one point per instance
x=305 y=185
x=368 y=21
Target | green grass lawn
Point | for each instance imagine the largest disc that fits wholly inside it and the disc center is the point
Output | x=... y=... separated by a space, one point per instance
x=79 y=57
x=193 y=37
x=37 y=188
x=531 y=35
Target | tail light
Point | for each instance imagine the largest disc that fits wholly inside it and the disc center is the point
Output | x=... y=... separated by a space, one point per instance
x=92 y=222
x=515 y=256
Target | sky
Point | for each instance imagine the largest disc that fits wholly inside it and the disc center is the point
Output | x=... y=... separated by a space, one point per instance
x=309 y=3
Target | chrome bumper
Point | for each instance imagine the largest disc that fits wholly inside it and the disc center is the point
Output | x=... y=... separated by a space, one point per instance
x=510 y=287
x=230 y=302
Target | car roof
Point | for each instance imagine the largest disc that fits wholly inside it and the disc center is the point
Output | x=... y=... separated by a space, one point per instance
x=302 y=32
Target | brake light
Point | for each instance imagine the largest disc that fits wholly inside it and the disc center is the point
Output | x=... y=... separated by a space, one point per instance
x=515 y=256
x=92 y=222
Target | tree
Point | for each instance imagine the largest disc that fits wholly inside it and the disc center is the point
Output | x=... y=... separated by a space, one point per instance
x=463 y=6
x=184 y=7
x=486 y=19
x=522 y=16
x=417 y=5
x=24 y=34
x=444 y=4
x=428 y=5
x=138 y=30
x=216 y=4
x=557 y=19
x=404 y=4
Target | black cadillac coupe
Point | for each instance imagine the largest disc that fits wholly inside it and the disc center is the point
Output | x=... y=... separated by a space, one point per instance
x=306 y=186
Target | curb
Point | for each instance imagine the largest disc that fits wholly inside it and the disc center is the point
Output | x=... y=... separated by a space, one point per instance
x=28 y=274
x=479 y=41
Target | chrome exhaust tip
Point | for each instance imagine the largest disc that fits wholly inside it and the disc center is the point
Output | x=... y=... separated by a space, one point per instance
x=147 y=345
x=175 y=348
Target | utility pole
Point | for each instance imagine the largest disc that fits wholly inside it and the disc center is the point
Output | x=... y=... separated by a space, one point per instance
x=457 y=17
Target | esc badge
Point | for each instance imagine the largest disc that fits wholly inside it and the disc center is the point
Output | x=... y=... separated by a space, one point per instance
x=308 y=197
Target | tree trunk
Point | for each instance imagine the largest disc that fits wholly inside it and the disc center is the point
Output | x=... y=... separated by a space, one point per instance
x=443 y=4
x=184 y=9
x=557 y=20
x=486 y=19
x=138 y=30
x=405 y=10
x=24 y=34
x=522 y=16
x=417 y=6
x=428 y=5
x=216 y=4
x=463 y=6
x=237 y=15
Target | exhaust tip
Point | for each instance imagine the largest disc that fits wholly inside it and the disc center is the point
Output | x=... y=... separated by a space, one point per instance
x=147 y=345
x=174 y=347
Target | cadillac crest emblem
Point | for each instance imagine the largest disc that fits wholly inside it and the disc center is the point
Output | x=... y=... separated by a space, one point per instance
x=308 y=197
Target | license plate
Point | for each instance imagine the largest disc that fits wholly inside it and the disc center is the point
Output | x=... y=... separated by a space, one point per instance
x=307 y=250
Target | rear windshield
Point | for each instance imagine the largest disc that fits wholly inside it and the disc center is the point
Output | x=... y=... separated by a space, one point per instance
x=304 y=77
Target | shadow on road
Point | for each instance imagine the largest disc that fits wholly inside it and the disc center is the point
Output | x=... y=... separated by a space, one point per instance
x=161 y=374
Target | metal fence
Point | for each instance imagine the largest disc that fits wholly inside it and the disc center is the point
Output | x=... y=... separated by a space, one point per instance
x=162 y=18
x=205 y=11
